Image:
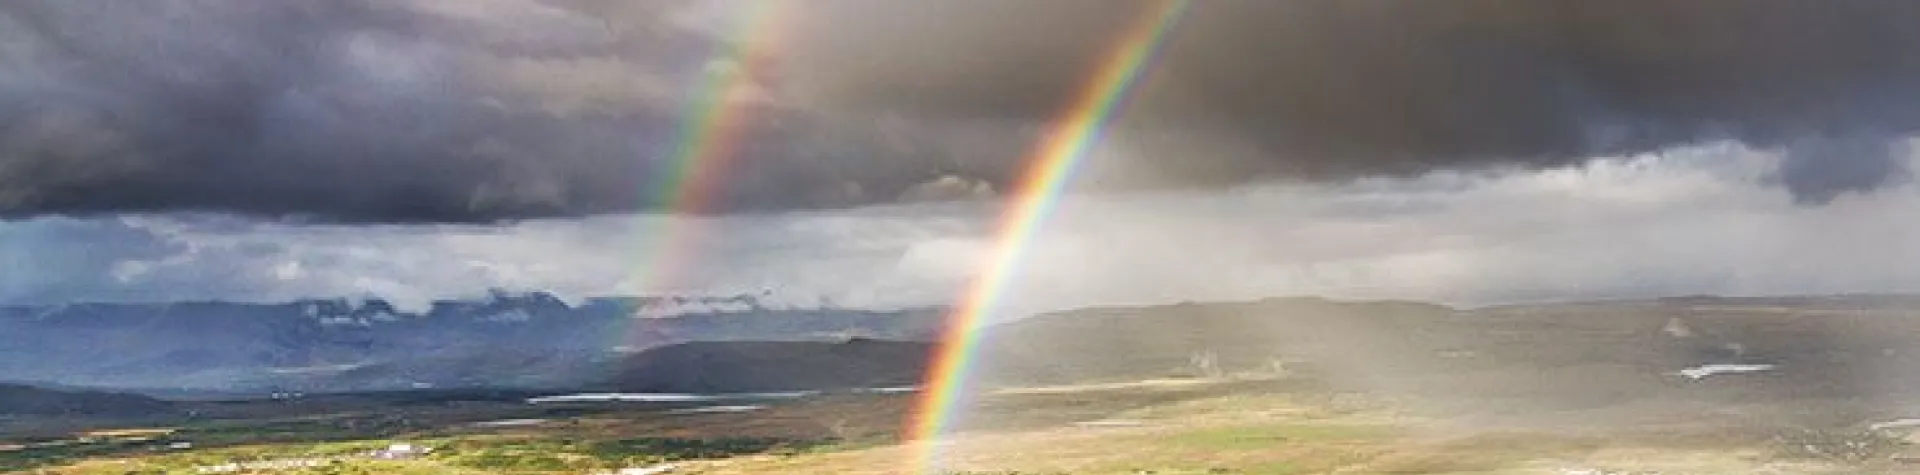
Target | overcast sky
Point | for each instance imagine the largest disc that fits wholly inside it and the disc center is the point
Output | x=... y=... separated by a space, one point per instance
x=1468 y=151
x=1698 y=219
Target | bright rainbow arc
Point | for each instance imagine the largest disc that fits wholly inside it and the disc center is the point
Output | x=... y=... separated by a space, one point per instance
x=1066 y=143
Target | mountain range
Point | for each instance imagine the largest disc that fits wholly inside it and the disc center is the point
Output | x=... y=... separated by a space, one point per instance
x=1566 y=353
x=504 y=340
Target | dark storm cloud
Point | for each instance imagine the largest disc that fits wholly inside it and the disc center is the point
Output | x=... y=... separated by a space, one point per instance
x=379 y=111
x=396 y=111
x=1341 y=88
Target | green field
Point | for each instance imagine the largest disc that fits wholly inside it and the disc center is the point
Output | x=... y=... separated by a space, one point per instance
x=1248 y=427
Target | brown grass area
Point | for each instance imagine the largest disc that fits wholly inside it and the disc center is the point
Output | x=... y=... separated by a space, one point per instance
x=1254 y=429
x=1259 y=427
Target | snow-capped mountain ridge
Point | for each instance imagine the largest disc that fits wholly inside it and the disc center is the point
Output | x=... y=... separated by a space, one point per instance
x=490 y=340
x=498 y=306
x=501 y=306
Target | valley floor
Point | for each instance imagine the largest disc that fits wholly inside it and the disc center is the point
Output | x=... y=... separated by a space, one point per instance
x=1163 y=427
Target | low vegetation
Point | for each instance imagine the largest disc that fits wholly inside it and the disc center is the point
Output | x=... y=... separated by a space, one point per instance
x=556 y=455
x=483 y=454
x=1840 y=445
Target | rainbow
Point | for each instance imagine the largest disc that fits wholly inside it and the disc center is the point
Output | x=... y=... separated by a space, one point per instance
x=715 y=115
x=1067 y=141
x=706 y=139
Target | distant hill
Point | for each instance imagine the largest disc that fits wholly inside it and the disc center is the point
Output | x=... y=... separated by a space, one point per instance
x=729 y=367
x=1582 y=353
x=1158 y=341
x=1819 y=346
x=506 y=339
x=28 y=400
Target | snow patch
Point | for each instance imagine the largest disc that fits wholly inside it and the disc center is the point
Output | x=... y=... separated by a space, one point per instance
x=511 y=423
x=651 y=470
x=888 y=390
x=666 y=397
x=1703 y=371
x=1677 y=328
x=510 y=316
x=718 y=409
x=340 y=322
x=1895 y=424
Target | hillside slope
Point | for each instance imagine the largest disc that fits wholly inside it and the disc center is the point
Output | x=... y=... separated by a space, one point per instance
x=22 y=400
x=731 y=367
x=1580 y=354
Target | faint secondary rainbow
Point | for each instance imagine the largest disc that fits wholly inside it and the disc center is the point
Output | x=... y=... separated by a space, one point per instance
x=706 y=140
x=715 y=113
x=1067 y=141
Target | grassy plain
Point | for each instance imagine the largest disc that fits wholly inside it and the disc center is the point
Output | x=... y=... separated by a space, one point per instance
x=1278 y=427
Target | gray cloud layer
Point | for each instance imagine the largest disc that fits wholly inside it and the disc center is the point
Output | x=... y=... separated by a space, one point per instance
x=406 y=111
x=1692 y=221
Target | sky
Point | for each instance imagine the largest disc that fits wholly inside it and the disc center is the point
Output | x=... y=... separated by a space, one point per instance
x=1470 y=152
x=1695 y=220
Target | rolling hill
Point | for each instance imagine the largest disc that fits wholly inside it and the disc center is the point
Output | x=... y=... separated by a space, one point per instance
x=734 y=367
x=1588 y=354
x=22 y=400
